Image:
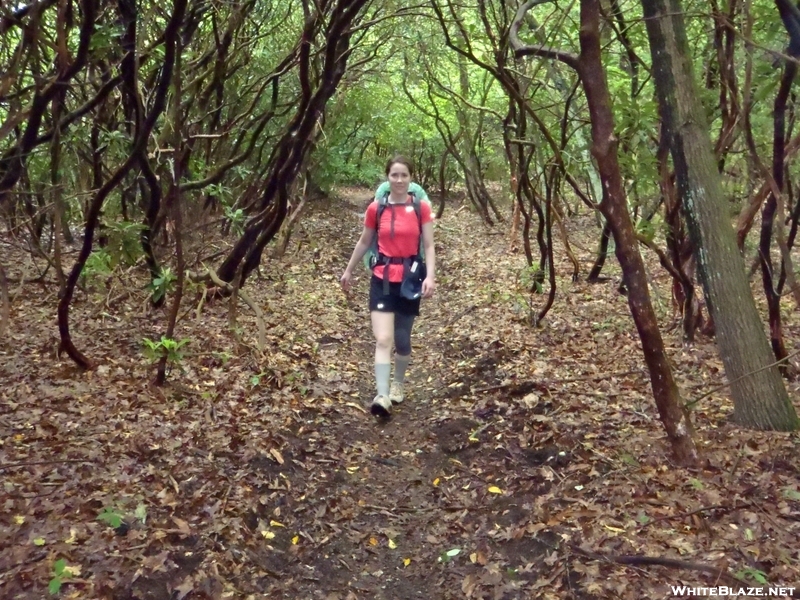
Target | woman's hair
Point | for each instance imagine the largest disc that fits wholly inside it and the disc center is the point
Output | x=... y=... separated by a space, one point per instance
x=399 y=160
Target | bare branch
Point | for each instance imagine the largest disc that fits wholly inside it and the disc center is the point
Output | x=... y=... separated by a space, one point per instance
x=521 y=49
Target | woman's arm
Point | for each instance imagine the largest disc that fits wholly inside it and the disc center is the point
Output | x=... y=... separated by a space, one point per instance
x=363 y=244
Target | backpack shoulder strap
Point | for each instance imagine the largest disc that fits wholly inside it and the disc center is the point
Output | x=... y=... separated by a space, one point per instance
x=416 y=203
x=383 y=201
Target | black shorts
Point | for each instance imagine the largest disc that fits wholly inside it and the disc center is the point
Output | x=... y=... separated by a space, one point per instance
x=393 y=302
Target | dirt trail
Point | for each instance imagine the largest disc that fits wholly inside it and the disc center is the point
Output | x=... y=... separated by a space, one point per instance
x=389 y=480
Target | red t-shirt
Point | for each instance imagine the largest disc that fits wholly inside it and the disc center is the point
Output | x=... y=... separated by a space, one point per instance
x=405 y=241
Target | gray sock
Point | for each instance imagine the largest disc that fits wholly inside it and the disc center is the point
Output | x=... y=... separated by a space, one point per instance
x=400 y=366
x=382 y=372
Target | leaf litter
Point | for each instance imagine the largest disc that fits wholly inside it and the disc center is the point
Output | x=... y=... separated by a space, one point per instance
x=524 y=463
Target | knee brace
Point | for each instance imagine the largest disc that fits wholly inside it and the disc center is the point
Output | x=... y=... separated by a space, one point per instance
x=402 y=334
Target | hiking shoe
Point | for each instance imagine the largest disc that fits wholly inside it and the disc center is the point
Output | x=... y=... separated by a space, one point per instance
x=381 y=406
x=396 y=392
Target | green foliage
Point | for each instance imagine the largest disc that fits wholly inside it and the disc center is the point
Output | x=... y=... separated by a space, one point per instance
x=111 y=517
x=532 y=278
x=646 y=229
x=237 y=219
x=172 y=349
x=755 y=575
x=162 y=285
x=791 y=494
x=255 y=380
x=59 y=570
x=448 y=555
x=124 y=244
x=141 y=513
x=98 y=265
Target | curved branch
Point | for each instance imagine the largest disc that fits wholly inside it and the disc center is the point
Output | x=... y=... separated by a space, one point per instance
x=521 y=49
x=93 y=214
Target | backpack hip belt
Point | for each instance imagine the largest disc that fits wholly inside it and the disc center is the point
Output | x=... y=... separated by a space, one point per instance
x=384 y=260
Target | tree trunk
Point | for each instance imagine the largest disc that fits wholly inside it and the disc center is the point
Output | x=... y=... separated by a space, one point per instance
x=602 y=253
x=442 y=185
x=674 y=415
x=768 y=218
x=5 y=304
x=174 y=206
x=759 y=396
x=614 y=208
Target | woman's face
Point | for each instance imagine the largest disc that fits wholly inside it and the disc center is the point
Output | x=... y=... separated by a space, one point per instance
x=399 y=178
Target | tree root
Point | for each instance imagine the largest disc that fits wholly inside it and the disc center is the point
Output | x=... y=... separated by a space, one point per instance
x=672 y=563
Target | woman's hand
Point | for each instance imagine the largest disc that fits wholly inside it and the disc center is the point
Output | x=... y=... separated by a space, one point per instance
x=346 y=280
x=428 y=286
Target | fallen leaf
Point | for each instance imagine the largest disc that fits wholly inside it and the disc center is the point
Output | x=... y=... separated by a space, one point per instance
x=406 y=562
x=276 y=524
x=295 y=539
x=358 y=406
x=19 y=519
x=493 y=489
x=268 y=534
x=392 y=544
x=184 y=588
x=436 y=482
x=182 y=525
x=276 y=455
x=373 y=541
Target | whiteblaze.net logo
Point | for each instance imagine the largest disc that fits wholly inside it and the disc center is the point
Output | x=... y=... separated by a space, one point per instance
x=682 y=590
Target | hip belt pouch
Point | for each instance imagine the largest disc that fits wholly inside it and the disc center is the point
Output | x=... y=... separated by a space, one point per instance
x=414 y=273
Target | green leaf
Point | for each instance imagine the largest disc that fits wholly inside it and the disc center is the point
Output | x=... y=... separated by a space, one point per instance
x=754 y=574
x=110 y=516
x=141 y=513
x=629 y=459
x=791 y=494
x=54 y=586
x=760 y=577
x=696 y=483
x=39 y=541
x=59 y=566
x=449 y=555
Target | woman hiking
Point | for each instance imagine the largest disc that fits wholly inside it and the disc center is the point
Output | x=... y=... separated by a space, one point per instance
x=399 y=226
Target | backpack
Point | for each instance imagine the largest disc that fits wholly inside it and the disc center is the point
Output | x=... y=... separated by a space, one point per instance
x=372 y=256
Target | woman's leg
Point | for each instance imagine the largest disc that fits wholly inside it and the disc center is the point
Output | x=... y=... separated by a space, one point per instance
x=383 y=329
x=402 y=343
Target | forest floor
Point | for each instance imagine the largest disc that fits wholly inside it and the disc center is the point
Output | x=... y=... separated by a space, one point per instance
x=525 y=462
